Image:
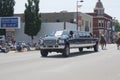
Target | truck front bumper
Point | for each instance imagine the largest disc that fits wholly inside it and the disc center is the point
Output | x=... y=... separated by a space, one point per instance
x=52 y=47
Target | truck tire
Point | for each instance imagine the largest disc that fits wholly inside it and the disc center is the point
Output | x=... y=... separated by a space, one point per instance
x=44 y=53
x=96 y=48
x=66 y=51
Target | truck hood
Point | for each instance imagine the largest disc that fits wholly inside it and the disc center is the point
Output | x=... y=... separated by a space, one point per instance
x=55 y=37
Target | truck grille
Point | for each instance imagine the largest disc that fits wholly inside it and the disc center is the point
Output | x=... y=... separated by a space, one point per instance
x=50 y=42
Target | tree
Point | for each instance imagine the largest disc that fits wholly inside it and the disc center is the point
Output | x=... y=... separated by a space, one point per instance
x=6 y=9
x=117 y=26
x=32 y=18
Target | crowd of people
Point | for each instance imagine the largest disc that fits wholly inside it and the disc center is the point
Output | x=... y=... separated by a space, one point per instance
x=20 y=46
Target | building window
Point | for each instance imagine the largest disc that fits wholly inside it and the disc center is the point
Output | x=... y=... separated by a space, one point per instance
x=100 y=23
x=86 y=26
x=100 y=12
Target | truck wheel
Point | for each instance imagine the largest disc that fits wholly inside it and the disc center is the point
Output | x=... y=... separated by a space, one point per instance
x=96 y=48
x=44 y=53
x=80 y=49
x=66 y=51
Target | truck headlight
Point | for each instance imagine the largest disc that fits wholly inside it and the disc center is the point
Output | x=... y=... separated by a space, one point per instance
x=61 y=41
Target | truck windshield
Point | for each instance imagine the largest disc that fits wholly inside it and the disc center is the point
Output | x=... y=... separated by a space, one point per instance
x=59 y=33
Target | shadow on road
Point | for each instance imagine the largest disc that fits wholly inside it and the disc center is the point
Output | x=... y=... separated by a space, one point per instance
x=73 y=54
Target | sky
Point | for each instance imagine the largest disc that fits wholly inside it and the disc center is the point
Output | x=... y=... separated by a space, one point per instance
x=112 y=7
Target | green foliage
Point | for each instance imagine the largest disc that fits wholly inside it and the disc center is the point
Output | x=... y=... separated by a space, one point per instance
x=117 y=26
x=32 y=18
x=6 y=9
x=2 y=31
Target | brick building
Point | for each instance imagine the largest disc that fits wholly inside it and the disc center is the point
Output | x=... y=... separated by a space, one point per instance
x=102 y=22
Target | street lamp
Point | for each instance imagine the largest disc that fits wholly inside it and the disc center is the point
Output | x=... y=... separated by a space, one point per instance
x=77 y=10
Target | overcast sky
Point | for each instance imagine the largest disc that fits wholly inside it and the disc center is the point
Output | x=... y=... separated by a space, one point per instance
x=112 y=7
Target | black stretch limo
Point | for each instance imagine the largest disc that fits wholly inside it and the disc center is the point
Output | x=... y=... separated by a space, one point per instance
x=62 y=41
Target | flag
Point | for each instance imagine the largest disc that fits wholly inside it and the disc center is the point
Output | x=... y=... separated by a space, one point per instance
x=78 y=6
x=80 y=21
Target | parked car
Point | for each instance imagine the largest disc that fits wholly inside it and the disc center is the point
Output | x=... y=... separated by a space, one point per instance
x=62 y=41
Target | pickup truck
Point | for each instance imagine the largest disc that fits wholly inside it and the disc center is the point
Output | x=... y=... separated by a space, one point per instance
x=62 y=41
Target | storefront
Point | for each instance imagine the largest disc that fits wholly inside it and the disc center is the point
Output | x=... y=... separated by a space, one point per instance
x=10 y=24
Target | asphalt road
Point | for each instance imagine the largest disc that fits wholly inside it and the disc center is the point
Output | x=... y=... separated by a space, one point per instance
x=87 y=65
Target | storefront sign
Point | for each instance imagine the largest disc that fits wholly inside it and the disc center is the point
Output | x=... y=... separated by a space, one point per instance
x=9 y=22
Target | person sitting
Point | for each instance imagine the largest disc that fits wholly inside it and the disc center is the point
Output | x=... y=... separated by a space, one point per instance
x=71 y=34
x=19 y=47
x=4 y=48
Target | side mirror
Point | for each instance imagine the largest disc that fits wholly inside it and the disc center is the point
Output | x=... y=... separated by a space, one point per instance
x=46 y=35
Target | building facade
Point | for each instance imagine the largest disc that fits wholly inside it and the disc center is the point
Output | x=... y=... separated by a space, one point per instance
x=84 y=20
x=102 y=22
